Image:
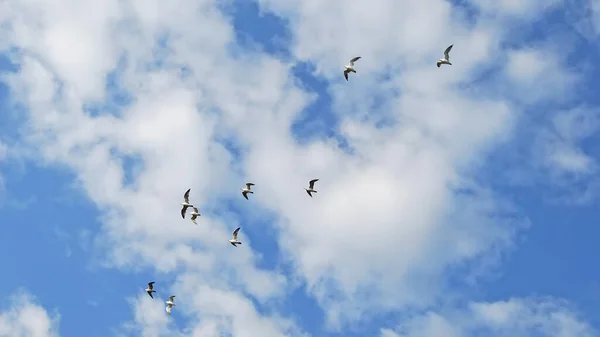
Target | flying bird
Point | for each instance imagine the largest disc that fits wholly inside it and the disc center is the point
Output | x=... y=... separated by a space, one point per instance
x=311 y=187
x=150 y=289
x=350 y=67
x=235 y=241
x=194 y=215
x=170 y=304
x=186 y=203
x=446 y=59
x=247 y=190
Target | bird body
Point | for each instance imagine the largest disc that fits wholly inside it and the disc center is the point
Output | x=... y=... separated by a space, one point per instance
x=194 y=215
x=150 y=289
x=170 y=304
x=350 y=67
x=234 y=241
x=311 y=187
x=186 y=203
x=446 y=59
x=247 y=190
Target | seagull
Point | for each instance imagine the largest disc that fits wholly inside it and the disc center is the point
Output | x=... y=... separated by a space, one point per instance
x=186 y=203
x=194 y=215
x=446 y=59
x=311 y=186
x=150 y=289
x=246 y=190
x=235 y=241
x=170 y=304
x=350 y=67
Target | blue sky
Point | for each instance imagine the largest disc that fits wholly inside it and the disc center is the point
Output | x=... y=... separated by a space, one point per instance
x=459 y=201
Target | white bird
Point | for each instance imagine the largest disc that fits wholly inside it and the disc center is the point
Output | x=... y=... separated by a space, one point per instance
x=194 y=215
x=311 y=187
x=235 y=241
x=170 y=304
x=247 y=190
x=150 y=289
x=186 y=203
x=446 y=59
x=350 y=67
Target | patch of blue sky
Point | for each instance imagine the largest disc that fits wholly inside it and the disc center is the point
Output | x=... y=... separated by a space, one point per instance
x=132 y=164
x=317 y=121
x=50 y=258
x=116 y=98
x=253 y=26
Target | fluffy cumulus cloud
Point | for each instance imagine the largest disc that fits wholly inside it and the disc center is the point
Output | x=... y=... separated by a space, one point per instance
x=141 y=100
x=25 y=318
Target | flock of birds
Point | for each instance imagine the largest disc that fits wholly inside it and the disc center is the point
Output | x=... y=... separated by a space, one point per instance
x=234 y=240
x=248 y=188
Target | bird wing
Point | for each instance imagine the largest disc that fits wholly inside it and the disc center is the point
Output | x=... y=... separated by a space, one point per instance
x=248 y=185
x=311 y=183
x=183 y=209
x=194 y=216
x=346 y=74
x=150 y=293
x=245 y=195
x=171 y=298
x=235 y=233
x=447 y=52
x=354 y=60
x=186 y=196
x=150 y=285
x=195 y=210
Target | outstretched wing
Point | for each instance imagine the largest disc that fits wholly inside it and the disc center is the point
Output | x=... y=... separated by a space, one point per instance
x=311 y=183
x=346 y=74
x=150 y=285
x=235 y=233
x=447 y=52
x=245 y=195
x=354 y=60
x=171 y=298
x=183 y=209
x=186 y=196
x=249 y=185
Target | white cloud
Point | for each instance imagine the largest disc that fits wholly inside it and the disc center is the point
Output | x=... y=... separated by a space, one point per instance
x=540 y=74
x=25 y=318
x=562 y=141
x=515 y=317
x=387 y=221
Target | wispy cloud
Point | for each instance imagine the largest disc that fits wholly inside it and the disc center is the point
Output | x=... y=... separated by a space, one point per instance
x=514 y=317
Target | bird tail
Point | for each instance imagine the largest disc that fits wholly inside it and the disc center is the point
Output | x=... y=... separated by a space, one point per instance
x=250 y=192
x=314 y=191
x=449 y=63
